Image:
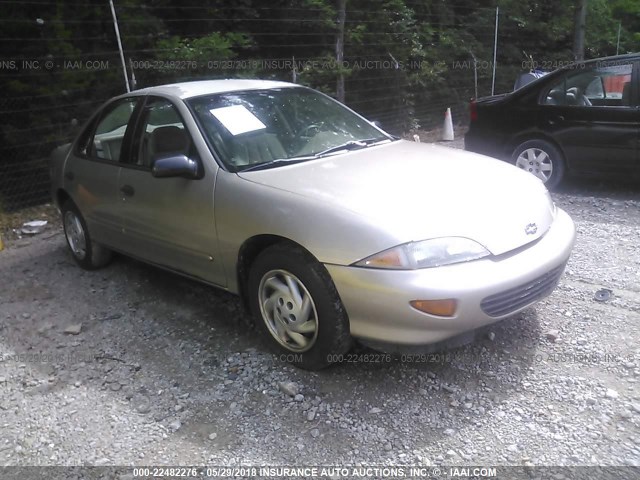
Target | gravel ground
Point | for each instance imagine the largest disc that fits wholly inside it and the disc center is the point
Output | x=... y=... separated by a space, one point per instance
x=134 y=366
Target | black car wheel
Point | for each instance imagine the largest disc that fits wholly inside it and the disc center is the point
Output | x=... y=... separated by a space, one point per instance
x=541 y=159
x=297 y=306
x=88 y=254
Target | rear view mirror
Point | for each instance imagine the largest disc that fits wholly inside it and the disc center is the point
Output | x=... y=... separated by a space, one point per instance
x=175 y=166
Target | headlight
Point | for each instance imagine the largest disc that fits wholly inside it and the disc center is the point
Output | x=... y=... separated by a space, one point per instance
x=426 y=254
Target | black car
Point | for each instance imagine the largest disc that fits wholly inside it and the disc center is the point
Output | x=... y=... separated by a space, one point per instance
x=583 y=119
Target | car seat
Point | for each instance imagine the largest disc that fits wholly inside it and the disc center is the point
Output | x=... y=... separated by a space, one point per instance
x=576 y=97
x=626 y=94
x=556 y=97
x=168 y=140
x=253 y=148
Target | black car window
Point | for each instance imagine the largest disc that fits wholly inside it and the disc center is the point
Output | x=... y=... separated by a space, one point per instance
x=106 y=142
x=606 y=85
x=162 y=133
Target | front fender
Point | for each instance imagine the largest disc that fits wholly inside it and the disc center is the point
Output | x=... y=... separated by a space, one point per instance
x=244 y=209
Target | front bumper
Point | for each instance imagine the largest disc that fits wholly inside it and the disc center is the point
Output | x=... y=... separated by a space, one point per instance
x=377 y=301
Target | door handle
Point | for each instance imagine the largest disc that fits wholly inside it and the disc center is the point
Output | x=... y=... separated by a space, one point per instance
x=556 y=119
x=69 y=176
x=127 y=190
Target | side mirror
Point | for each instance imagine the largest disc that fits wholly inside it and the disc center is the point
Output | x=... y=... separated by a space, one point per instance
x=376 y=123
x=175 y=166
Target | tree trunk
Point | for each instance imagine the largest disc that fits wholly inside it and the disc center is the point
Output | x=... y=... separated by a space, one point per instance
x=580 y=28
x=342 y=14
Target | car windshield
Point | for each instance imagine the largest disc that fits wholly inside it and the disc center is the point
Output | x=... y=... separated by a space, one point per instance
x=263 y=128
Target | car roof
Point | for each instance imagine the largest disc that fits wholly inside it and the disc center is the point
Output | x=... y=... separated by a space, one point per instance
x=626 y=56
x=205 y=87
x=551 y=76
x=605 y=61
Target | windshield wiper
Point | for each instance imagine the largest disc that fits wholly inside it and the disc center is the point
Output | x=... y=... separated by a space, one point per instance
x=350 y=145
x=353 y=145
x=275 y=163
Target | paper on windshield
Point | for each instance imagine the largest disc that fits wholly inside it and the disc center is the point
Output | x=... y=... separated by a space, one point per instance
x=237 y=119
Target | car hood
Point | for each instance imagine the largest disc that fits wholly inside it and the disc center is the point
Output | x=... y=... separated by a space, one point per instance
x=414 y=191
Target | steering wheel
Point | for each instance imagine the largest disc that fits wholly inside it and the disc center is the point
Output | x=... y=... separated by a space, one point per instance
x=308 y=129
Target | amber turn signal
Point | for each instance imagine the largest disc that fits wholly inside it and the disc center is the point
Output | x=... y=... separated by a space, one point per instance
x=441 y=308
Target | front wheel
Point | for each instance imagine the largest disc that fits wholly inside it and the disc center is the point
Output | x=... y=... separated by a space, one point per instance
x=541 y=159
x=297 y=306
x=88 y=254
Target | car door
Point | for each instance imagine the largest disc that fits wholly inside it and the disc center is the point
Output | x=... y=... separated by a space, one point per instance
x=169 y=221
x=91 y=173
x=592 y=112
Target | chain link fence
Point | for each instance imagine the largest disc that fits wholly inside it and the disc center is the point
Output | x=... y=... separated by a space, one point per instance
x=51 y=96
x=51 y=121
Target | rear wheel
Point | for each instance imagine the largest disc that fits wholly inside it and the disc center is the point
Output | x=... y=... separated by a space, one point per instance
x=541 y=159
x=88 y=254
x=297 y=307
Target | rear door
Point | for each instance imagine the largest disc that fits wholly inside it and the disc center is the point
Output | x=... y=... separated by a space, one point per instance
x=592 y=112
x=93 y=169
x=169 y=221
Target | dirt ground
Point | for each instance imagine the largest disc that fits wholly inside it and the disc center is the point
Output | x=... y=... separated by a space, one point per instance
x=131 y=365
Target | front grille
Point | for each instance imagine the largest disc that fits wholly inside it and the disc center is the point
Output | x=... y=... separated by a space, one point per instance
x=515 y=298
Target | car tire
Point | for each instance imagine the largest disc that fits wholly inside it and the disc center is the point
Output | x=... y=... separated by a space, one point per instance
x=297 y=307
x=88 y=254
x=541 y=159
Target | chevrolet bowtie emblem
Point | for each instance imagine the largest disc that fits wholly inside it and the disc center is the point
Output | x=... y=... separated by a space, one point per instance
x=531 y=229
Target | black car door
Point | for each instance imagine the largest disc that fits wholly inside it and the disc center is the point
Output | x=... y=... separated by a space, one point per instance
x=592 y=113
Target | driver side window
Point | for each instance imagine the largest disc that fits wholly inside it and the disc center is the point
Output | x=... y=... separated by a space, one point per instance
x=162 y=134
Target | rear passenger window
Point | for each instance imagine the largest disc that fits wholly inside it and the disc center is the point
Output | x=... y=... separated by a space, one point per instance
x=606 y=85
x=110 y=131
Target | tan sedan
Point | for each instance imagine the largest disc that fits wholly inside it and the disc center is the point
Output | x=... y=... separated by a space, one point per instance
x=326 y=226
